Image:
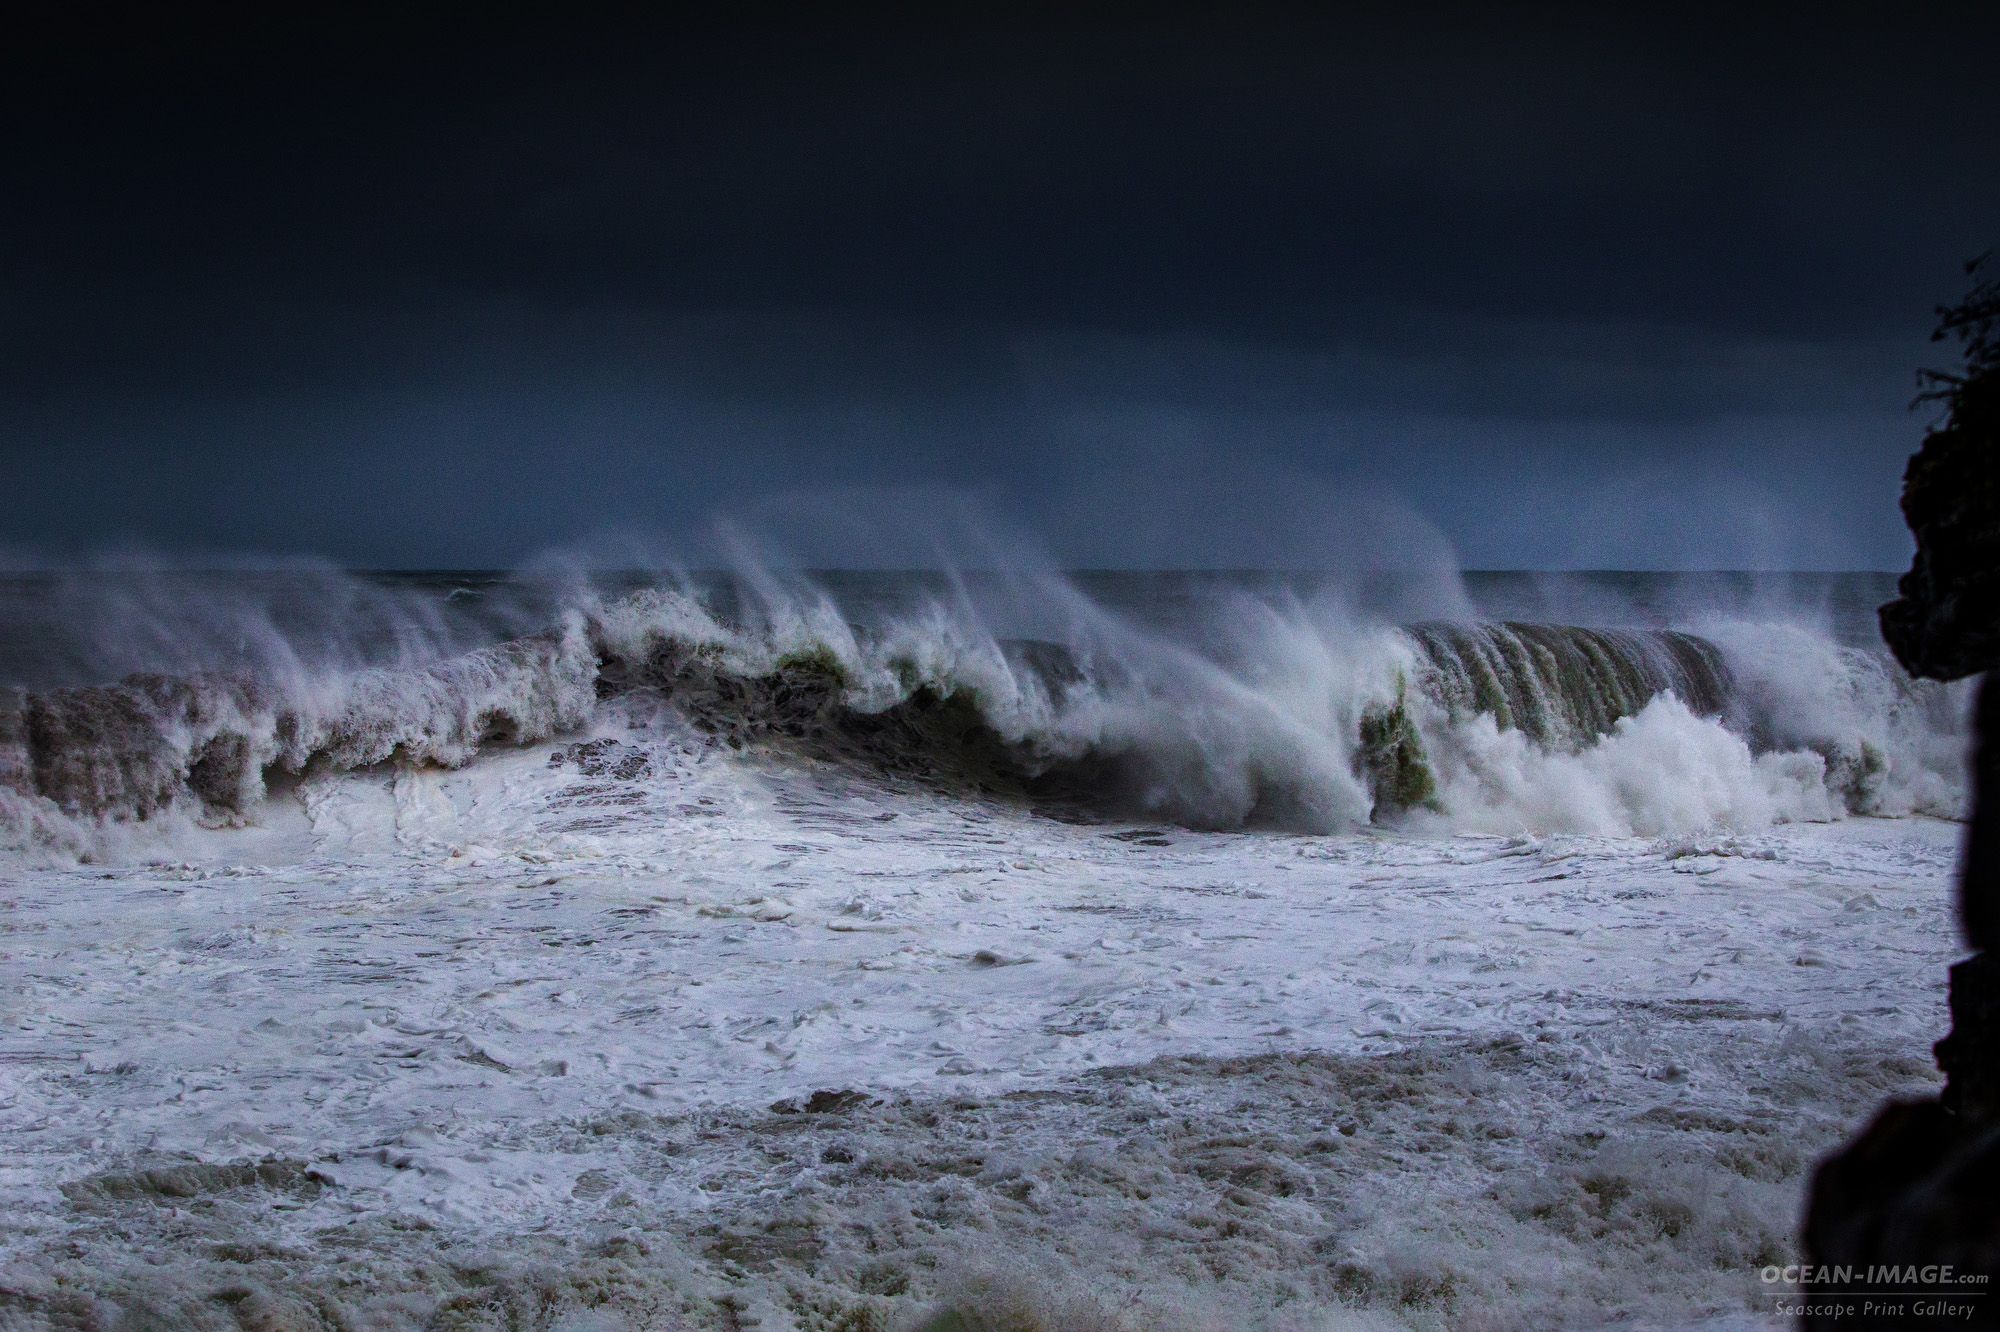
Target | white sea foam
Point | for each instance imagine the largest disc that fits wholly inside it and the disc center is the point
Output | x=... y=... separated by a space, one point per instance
x=504 y=1039
x=1662 y=771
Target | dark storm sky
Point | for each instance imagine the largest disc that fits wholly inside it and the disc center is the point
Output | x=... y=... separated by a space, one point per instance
x=1577 y=289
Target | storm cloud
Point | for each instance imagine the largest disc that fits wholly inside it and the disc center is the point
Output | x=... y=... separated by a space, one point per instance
x=437 y=288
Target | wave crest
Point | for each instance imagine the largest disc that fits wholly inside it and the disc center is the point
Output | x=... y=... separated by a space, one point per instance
x=1282 y=715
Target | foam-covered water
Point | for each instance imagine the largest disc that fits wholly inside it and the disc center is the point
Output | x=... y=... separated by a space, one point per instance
x=1163 y=951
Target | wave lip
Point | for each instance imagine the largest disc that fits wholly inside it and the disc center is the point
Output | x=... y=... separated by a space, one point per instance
x=1563 y=684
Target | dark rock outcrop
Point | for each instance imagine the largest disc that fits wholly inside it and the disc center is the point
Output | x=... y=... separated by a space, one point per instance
x=1945 y=623
x=1919 y=1189
x=1979 y=876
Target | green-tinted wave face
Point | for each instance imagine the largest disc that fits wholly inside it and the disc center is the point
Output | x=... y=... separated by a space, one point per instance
x=1390 y=756
x=1562 y=684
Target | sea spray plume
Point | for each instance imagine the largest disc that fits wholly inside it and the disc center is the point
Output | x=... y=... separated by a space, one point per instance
x=265 y=618
x=1115 y=712
x=1235 y=725
x=1892 y=744
x=1244 y=712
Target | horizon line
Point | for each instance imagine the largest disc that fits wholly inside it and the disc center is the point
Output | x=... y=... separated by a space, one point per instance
x=282 y=565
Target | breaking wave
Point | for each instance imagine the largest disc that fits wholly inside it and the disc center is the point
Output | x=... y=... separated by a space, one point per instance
x=1268 y=712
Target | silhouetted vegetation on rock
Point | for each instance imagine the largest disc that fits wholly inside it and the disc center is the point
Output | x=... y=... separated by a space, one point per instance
x=1946 y=622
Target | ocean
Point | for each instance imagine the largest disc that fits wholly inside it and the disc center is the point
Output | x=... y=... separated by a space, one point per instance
x=562 y=948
